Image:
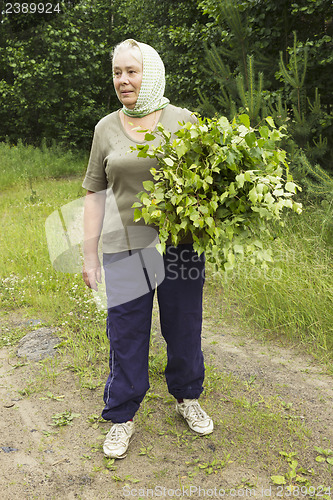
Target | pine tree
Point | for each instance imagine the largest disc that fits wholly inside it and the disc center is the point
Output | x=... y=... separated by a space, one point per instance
x=251 y=95
x=239 y=88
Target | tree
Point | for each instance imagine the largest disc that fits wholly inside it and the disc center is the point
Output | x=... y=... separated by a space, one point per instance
x=56 y=74
x=285 y=87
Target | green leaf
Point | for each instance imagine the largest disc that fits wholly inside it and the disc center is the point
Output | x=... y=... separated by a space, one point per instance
x=245 y=120
x=137 y=215
x=330 y=460
x=169 y=162
x=143 y=151
x=278 y=480
x=160 y=247
x=240 y=178
x=270 y=121
x=224 y=122
x=264 y=131
x=181 y=149
x=250 y=139
x=209 y=221
x=149 y=137
x=239 y=249
x=253 y=196
x=291 y=187
x=148 y=185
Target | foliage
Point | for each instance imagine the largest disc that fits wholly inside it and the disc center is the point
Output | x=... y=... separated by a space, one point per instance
x=55 y=74
x=64 y=418
x=316 y=180
x=296 y=103
x=296 y=480
x=220 y=181
x=268 y=29
x=325 y=455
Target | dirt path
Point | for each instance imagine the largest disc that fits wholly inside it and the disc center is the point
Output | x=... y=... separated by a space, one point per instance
x=46 y=462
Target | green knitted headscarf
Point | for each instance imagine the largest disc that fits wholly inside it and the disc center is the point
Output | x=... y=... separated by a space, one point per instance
x=151 y=95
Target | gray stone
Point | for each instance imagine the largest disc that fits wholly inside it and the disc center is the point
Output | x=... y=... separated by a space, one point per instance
x=39 y=344
x=8 y=449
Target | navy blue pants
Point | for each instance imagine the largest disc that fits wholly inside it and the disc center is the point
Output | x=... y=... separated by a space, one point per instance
x=129 y=324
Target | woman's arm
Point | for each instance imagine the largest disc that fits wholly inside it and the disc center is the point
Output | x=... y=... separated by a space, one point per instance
x=94 y=209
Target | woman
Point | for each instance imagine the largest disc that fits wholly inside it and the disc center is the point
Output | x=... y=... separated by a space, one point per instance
x=114 y=177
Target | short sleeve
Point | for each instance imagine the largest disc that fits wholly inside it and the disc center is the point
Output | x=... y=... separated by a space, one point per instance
x=95 y=179
x=188 y=116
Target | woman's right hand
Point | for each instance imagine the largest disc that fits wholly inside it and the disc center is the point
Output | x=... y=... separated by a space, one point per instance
x=91 y=271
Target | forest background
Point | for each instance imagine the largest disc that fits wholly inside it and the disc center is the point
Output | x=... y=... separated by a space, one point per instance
x=261 y=57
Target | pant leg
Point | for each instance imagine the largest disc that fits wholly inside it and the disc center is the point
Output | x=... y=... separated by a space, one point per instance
x=180 y=303
x=128 y=330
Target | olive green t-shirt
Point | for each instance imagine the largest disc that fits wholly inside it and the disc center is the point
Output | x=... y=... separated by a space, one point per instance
x=115 y=168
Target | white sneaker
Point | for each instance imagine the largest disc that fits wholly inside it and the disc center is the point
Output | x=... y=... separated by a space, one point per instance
x=117 y=439
x=197 y=419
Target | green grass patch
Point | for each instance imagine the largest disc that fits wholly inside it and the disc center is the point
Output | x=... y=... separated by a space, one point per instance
x=291 y=299
x=20 y=164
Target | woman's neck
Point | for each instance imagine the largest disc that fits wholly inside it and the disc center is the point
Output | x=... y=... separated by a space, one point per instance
x=133 y=124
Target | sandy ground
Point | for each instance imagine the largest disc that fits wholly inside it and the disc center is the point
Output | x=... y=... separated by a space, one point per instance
x=46 y=462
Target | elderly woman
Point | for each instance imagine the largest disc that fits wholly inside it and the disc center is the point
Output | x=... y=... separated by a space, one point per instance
x=116 y=172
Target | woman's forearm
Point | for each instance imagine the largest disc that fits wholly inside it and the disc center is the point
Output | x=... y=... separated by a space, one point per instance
x=94 y=209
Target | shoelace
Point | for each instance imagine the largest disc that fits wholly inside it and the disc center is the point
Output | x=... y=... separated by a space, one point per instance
x=194 y=410
x=116 y=433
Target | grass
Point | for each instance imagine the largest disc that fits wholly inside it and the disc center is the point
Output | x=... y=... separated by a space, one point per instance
x=22 y=164
x=290 y=301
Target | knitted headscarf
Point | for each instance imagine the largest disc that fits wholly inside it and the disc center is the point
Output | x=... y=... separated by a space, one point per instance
x=151 y=95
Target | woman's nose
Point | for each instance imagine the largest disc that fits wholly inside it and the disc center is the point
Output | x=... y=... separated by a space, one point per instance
x=124 y=78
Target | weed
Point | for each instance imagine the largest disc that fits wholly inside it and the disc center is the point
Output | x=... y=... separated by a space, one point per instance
x=94 y=420
x=209 y=467
x=38 y=163
x=26 y=391
x=49 y=395
x=19 y=365
x=157 y=357
x=129 y=478
x=296 y=480
x=109 y=463
x=146 y=451
x=64 y=418
x=214 y=466
x=324 y=455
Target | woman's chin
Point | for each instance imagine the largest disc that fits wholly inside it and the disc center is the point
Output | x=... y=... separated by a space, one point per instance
x=128 y=103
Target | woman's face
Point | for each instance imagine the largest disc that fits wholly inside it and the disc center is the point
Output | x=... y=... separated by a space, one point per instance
x=127 y=75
